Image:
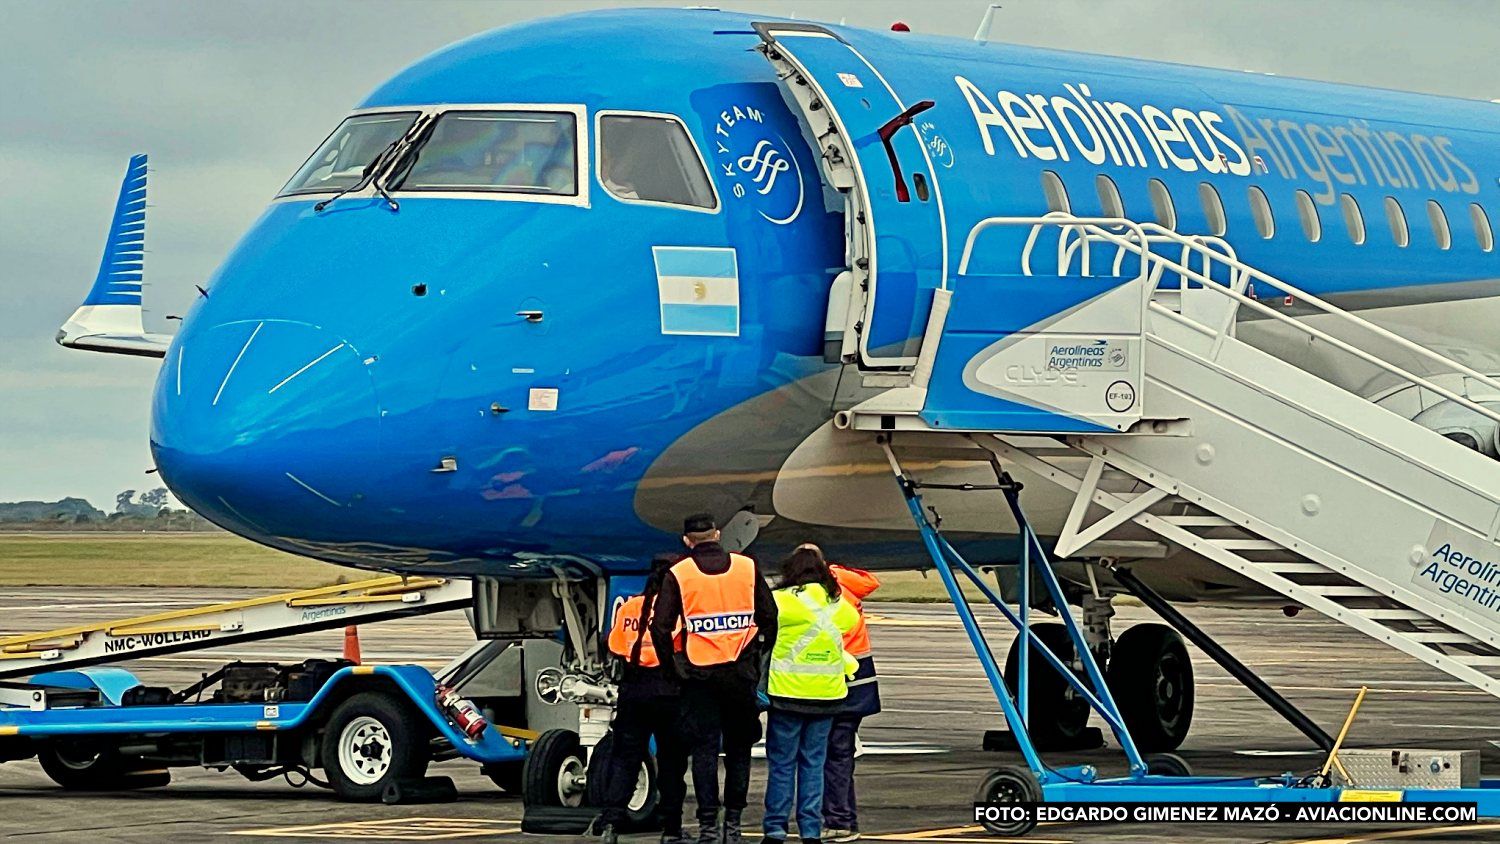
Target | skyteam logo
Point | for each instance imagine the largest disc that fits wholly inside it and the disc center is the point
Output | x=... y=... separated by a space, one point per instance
x=721 y=623
x=758 y=164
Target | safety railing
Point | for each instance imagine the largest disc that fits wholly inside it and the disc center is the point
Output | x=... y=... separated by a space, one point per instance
x=1079 y=235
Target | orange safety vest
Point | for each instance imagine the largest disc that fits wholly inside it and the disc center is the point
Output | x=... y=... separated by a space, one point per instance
x=856 y=585
x=627 y=629
x=718 y=611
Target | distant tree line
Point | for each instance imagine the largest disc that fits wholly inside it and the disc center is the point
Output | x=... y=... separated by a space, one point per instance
x=149 y=510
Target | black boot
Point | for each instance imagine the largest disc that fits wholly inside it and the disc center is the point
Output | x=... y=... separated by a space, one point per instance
x=671 y=833
x=708 y=827
x=733 y=834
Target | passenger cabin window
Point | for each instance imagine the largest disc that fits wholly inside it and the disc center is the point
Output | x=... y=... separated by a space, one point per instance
x=1055 y=191
x=1397 y=218
x=1439 y=221
x=1260 y=210
x=1161 y=203
x=1307 y=213
x=340 y=162
x=528 y=152
x=1109 y=196
x=1354 y=220
x=1213 y=209
x=651 y=158
x=1482 y=230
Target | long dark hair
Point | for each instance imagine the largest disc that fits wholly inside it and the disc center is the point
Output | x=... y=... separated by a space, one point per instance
x=806 y=565
x=660 y=565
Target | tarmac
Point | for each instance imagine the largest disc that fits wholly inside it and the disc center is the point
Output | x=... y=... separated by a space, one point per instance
x=922 y=758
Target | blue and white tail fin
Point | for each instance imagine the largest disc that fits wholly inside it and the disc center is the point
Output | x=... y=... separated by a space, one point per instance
x=109 y=320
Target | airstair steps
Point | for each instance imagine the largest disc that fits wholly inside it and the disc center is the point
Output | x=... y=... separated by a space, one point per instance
x=1231 y=452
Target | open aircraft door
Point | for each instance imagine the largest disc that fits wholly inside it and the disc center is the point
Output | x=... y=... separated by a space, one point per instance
x=873 y=152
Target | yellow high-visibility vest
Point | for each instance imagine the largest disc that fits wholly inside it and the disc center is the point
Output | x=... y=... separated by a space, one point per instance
x=808 y=661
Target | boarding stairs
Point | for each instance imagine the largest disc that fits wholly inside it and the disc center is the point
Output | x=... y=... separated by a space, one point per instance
x=215 y=625
x=1196 y=440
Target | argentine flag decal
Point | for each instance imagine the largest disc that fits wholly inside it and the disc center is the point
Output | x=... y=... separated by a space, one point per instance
x=699 y=289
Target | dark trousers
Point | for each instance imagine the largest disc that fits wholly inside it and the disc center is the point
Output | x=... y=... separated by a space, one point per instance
x=637 y=721
x=720 y=714
x=839 y=809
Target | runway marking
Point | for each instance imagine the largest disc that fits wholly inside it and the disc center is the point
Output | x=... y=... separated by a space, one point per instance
x=402 y=829
x=1399 y=833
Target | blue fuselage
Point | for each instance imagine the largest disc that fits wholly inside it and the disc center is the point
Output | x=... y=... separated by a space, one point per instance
x=361 y=385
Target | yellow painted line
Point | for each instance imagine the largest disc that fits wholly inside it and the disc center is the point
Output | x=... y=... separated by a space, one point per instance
x=922 y=834
x=987 y=839
x=1363 y=837
x=141 y=629
x=400 y=829
x=391 y=581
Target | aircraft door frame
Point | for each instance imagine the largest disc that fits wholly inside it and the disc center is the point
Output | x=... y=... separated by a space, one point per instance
x=845 y=101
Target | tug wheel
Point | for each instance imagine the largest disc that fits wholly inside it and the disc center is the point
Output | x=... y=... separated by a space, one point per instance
x=1151 y=678
x=81 y=765
x=1057 y=716
x=1011 y=784
x=371 y=741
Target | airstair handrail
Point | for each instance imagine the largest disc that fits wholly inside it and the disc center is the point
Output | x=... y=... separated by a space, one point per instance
x=1138 y=238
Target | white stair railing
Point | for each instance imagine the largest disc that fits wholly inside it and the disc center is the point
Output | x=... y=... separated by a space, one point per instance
x=1076 y=236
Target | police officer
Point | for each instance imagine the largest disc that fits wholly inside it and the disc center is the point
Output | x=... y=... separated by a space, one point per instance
x=725 y=611
x=647 y=707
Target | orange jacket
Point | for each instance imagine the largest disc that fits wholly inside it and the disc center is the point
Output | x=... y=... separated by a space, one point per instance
x=856 y=584
x=627 y=629
x=718 y=611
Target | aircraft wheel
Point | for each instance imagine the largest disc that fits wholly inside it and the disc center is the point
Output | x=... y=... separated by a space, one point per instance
x=1151 y=678
x=1057 y=716
x=643 y=799
x=1011 y=784
x=89 y=766
x=372 y=741
x=555 y=773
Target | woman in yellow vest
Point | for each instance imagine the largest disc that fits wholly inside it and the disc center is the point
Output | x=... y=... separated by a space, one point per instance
x=806 y=685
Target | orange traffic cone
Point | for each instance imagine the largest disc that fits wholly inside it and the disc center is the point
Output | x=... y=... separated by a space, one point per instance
x=351 y=644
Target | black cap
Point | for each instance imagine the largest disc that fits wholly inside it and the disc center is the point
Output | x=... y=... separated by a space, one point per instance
x=698 y=523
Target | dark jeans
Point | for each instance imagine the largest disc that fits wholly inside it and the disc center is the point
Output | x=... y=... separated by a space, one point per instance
x=637 y=721
x=839 y=808
x=720 y=714
x=796 y=750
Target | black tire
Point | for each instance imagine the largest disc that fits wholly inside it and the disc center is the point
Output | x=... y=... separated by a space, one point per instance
x=642 y=803
x=1151 y=678
x=81 y=765
x=506 y=775
x=553 y=761
x=1168 y=765
x=1057 y=718
x=1011 y=784
x=385 y=740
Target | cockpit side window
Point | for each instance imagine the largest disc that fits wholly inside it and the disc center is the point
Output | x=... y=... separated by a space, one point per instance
x=530 y=152
x=341 y=160
x=651 y=158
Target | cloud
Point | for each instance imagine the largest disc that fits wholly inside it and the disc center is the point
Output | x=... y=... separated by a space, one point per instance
x=229 y=97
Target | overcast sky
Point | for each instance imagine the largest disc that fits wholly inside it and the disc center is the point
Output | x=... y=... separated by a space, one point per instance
x=229 y=97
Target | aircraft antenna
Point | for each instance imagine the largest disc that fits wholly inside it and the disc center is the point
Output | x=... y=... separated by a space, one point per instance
x=983 y=32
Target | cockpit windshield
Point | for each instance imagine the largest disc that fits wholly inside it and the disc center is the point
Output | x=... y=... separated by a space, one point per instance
x=534 y=152
x=340 y=161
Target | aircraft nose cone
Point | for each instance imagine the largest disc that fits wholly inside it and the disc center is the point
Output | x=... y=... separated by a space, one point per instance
x=270 y=426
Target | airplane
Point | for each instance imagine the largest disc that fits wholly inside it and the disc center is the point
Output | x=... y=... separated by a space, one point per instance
x=529 y=304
